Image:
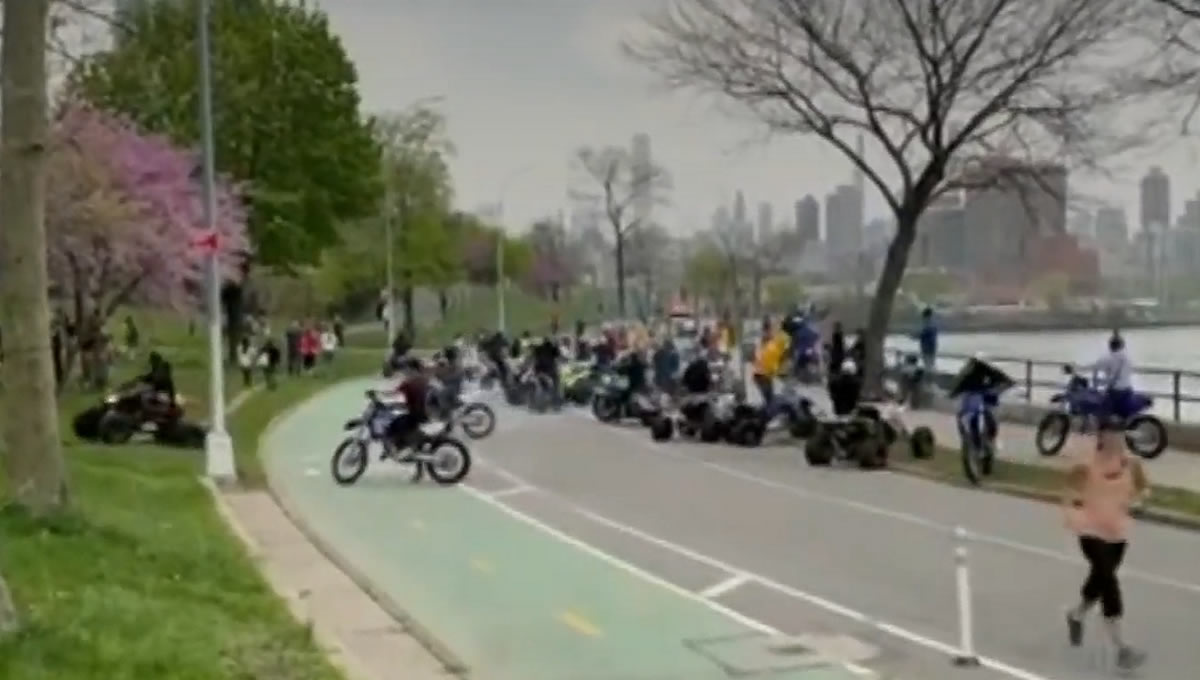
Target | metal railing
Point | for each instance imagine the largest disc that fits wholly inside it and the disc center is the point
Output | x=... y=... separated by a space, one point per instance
x=1176 y=392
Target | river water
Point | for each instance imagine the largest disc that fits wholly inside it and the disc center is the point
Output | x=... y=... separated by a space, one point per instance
x=1158 y=348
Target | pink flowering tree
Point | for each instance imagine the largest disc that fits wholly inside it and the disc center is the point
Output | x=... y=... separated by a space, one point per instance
x=123 y=212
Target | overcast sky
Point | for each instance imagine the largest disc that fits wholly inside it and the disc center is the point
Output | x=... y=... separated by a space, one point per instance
x=526 y=82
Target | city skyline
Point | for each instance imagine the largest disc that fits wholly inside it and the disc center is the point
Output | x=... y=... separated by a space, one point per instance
x=539 y=99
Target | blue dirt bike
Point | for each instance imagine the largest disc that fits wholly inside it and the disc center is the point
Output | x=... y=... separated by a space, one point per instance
x=1081 y=405
x=434 y=451
x=979 y=387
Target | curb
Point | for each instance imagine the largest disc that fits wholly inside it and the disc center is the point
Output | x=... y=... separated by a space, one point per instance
x=334 y=651
x=451 y=663
x=1158 y=516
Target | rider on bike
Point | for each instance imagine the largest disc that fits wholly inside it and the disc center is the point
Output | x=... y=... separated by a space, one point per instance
x=546 y=355
x=405 y=429
x=1117 y=384
x=697 y=383
x=451 y=374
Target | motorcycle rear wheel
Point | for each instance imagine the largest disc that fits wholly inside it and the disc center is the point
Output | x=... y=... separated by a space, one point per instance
x=453 y=448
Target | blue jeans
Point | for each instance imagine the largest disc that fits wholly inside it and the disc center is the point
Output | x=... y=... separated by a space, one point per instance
x=1118 y=403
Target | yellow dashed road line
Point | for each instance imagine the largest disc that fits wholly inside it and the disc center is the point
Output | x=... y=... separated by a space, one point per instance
x=579 y=623
x=482 y=565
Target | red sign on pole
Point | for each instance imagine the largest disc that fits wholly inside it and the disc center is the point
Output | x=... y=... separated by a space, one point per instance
x=206 y=242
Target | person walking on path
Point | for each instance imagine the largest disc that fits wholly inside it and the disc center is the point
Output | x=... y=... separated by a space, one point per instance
x=247 y=357
x=927 y=341
x=1102 y=489
x=291 y=339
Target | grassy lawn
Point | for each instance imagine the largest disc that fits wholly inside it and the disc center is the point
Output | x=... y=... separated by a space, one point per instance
x=143 y=579
x=1035 y=481
x=478 y=311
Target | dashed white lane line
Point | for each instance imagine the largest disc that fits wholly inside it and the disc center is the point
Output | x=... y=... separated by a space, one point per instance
x=726 y=586
x=815 y=600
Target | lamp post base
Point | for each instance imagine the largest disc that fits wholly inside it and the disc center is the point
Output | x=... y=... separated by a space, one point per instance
x=218 y=458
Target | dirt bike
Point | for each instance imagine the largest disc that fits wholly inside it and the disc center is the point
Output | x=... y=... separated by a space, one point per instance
x=434 y=452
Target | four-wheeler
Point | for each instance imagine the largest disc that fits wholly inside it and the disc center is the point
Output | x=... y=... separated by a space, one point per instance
x=613 y=401
x=135 y=410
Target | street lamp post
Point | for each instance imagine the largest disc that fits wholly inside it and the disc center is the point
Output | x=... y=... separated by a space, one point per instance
x=501 y=317
x=218 y=447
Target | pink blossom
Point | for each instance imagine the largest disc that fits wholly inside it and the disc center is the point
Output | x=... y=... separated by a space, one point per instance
x=123 y=209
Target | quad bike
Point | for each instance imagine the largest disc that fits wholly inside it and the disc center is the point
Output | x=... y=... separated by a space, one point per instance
x=138 y=410
x=866 y=437
x=613 y=402
x=707 y=418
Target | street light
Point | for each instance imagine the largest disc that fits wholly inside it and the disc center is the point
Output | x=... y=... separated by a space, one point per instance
x=504 y=187
x=218 y=446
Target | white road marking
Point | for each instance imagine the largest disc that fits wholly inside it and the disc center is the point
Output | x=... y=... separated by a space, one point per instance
x=512 y=491
x=809 y=598
x=312 y=472
x=726 y=586
x=908 y=518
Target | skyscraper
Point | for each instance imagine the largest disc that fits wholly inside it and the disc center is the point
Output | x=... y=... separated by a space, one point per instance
x=808 y=219
x=1156 y=199
x=739 y=209
x=844 y=222
x=766 y=218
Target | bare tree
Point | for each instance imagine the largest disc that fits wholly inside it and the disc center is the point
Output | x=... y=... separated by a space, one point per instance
x=624 y=187
x=940 y=88
x=750 y=257
x=648 y=261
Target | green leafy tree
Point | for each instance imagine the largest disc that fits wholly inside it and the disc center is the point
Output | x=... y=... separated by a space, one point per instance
x=286 y=112
x=417 y=186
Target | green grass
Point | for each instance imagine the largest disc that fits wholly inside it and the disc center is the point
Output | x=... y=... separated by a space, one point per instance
x=142 y=578
x=1037 y=481
x=478 y=311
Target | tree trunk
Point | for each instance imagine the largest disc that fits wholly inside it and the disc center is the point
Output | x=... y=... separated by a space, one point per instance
x=885 y=297
x=9 y=622
x=621 y=275
x=32 y=456
x=443 y=304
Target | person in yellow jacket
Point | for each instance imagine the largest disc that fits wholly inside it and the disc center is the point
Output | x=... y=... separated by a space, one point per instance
x=767 y=364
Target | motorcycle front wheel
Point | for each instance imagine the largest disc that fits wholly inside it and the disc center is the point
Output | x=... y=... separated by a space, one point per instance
x=349 y=461
x=606 y=409
x=1052 y=433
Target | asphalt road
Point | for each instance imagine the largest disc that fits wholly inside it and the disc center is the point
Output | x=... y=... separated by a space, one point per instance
x=778 y=546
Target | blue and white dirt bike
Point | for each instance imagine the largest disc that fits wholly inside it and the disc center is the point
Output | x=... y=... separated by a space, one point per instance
x=436 y=453
x=979 y=387
x=1081 y=405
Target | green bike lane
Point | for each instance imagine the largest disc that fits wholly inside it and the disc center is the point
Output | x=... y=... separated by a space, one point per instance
x=509 y=599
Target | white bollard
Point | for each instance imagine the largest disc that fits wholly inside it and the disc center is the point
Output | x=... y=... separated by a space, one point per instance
x=966 y=657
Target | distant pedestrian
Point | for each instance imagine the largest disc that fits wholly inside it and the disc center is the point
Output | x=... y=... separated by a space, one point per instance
x=927 y=341
x=291 y=341
x=269 y=361
x=310 y=347
x=247 y=357
x=329 y=344
x=339 y=330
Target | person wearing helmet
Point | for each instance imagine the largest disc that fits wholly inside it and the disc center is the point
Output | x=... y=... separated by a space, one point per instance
x=845 y=388
x=405 y=429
